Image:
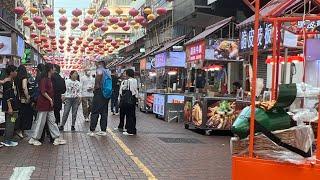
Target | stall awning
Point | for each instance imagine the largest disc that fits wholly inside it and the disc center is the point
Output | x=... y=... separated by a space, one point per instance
x=134 y=57
x=209 y=30
x=273 y=8
x=170 y=44
x=150 y=52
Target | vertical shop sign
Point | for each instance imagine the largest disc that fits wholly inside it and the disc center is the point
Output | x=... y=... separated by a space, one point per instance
x=264 y=37
x=196 y=51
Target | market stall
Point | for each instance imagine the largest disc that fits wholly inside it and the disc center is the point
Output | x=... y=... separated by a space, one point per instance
x=278 y=137
x=169 y=72
x=213 y=79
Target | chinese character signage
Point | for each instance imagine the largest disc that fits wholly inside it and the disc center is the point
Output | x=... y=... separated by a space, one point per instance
x=196 y=51
x=160 y=60
x=264 y=37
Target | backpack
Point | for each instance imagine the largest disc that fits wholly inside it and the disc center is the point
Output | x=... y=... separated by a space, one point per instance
x=126 y=97
x=106 y=84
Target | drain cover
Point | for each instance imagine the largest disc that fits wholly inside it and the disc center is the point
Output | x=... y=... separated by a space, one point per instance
x=181 y=140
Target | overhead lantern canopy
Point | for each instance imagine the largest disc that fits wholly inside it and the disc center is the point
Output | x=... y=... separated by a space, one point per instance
x=51 y=24
x=113 y=20
x=74 y=24
x=88 y=20
x=27 y=22
x=84 y=28
x=47 y=12
x=126 y=28
x=19 y=11
x=63 y=20
x=98 y=24
x=139 y=19
x=37 y=19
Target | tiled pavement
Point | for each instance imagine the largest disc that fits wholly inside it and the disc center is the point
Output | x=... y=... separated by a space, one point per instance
x=87 y=157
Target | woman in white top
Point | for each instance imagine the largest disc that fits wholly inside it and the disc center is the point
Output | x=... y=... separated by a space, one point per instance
x=72 y=99
x=128 y=95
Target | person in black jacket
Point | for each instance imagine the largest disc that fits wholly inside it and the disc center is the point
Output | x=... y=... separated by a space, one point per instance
x=59 y=87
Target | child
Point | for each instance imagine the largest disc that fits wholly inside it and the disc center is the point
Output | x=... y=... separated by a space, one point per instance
x=10 y=106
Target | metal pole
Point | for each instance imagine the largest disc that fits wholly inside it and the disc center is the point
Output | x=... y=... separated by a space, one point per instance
x=278 y=58
x=254 y=76
x=284 y=67
x=274 y=54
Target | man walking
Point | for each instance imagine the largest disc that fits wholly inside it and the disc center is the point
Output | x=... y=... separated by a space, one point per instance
x=115 y=93
x=59 y=87
x=99 y=102
x=87 y=82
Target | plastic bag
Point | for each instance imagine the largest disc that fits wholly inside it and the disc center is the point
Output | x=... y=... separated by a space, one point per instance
x=305 y=115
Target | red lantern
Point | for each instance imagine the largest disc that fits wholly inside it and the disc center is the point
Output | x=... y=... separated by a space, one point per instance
x=69 y=44
x=43 y=39
x=47 y=11
x=41 y=27
x=109 y=39
x=76 y=12
x=161 y=11
x=27 y=22
x=75 y=47
x=37 y=41
x=96 y=42
x=61 y=47
x=139 y=19
x=83 y=50
x=104 y=12
x=101 y=45
x=53 y=43
x=133 y=12
x=89 y=39
x=62 y=28
x=52 y=36
x=19 y=10
x=104 y=28
x=88 y=20
x=127 y=40
x=51 y=24
x=84 y=28
x=98 y=24
x=85 y=44
x=114 y=43
x=113 y=20
x=37 y=19
x=68 y=49
x=78 y=42
x=90 y=48
x=54 y=48
x=101 y=52
x=33 y=35
x=121 y=23
x=71 y=38
x=126 y=28
x=61 y=41
x=144 y=23
x=61 y=51
x=96 y=50
x=74 y=24
x=63 y=20
x=110 y=51
x=46 y=45
x=106 y=49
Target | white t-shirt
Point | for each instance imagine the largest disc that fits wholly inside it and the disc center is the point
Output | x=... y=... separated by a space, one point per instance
x=87 y=84
x=73 y=89
x=131 y=84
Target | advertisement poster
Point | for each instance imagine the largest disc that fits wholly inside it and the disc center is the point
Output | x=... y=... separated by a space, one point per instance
x=160 y=60
x=5 y=45
x=20 y=46
x=221 y=49
x=176 y=59
x=196 y=51
x=175 y=99
x=221 y=114
x=187 y=110
x=158 y=105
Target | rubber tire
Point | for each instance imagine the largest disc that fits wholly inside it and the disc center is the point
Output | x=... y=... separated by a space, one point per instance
x=186 y=126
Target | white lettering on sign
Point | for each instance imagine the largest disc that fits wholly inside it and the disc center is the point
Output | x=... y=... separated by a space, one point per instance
x=267 y=35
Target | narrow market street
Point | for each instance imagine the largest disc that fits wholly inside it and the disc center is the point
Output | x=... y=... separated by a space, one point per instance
x=161 y=150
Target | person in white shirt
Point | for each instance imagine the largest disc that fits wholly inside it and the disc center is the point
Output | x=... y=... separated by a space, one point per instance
x=87 y=82
x=72 y=99
x=128 y=95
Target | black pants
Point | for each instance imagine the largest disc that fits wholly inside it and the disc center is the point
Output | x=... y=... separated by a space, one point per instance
x=57 y=115
x=99 y=107
x=128 y=112
x=25 y=117
x=114 y=102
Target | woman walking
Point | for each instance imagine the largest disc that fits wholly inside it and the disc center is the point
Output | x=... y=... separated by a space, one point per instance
x=25 y=115
x=72 y=99
x=128 y=98
x=45 y=110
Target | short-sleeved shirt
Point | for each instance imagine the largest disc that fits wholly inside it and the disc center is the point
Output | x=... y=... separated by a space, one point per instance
x=9 y=93
x=45 y=86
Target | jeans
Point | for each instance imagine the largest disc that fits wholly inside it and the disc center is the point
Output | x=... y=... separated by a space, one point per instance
x=71 y=103
x=42 y=118
x=10 y=123
x=128 y=112
x=99 y=107
x=86 y=106
x=114 y=103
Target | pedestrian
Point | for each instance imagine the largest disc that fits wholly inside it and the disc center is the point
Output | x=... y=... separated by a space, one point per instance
x=72 y=99
x=99 y=102
x=25 y=115
x=128 y=99
x=87 y=84
x=10 y=106
x=45 y=109
x=115 y=93
x=59 y=87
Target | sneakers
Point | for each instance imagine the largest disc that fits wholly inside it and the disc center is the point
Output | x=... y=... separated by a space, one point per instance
x=20 y=134
x=72 y=128
x=91 y=134
x=35 y=142
x=117 y=114
x=9 y=143
x=119 y=129
x=127 y=134
x=59 y=141
x=101 y=133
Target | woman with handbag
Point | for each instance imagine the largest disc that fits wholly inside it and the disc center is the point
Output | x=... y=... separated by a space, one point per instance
x=128 y=97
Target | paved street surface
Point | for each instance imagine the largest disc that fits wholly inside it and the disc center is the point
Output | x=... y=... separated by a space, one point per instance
x=161 y=150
